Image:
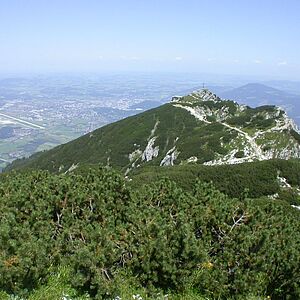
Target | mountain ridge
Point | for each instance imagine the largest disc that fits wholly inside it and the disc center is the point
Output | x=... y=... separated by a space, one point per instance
x=196 y=128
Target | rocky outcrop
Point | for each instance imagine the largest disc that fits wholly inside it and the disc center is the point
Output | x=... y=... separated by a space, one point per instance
x=170 y=157
x=150 y=151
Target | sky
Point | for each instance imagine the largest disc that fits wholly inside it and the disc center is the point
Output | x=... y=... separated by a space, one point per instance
x=246 y=37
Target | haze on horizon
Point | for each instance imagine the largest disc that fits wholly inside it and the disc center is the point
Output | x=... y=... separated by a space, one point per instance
x=260 y=38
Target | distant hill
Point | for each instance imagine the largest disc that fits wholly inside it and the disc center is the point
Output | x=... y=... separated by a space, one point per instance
x=256 y=94
x=289 y=86
x=197 y=128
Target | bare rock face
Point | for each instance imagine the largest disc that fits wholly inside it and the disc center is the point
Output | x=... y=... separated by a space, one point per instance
x=151 y=151
x=170 y=157
x=205 y=95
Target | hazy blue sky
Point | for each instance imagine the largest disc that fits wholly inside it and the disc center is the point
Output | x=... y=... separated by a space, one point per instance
x=258 y=37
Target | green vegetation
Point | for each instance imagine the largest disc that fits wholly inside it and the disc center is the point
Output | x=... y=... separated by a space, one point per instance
x=239 y=154
x=295 y=135
x=89 y=235
x=254 y=118
x=257 y=179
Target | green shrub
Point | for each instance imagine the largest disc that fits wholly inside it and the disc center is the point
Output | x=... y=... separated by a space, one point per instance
x=87 y=235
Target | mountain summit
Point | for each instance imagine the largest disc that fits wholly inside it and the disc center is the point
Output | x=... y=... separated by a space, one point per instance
x=196 y=128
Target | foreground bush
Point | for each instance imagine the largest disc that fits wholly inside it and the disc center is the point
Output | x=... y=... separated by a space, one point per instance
x=156 y=239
